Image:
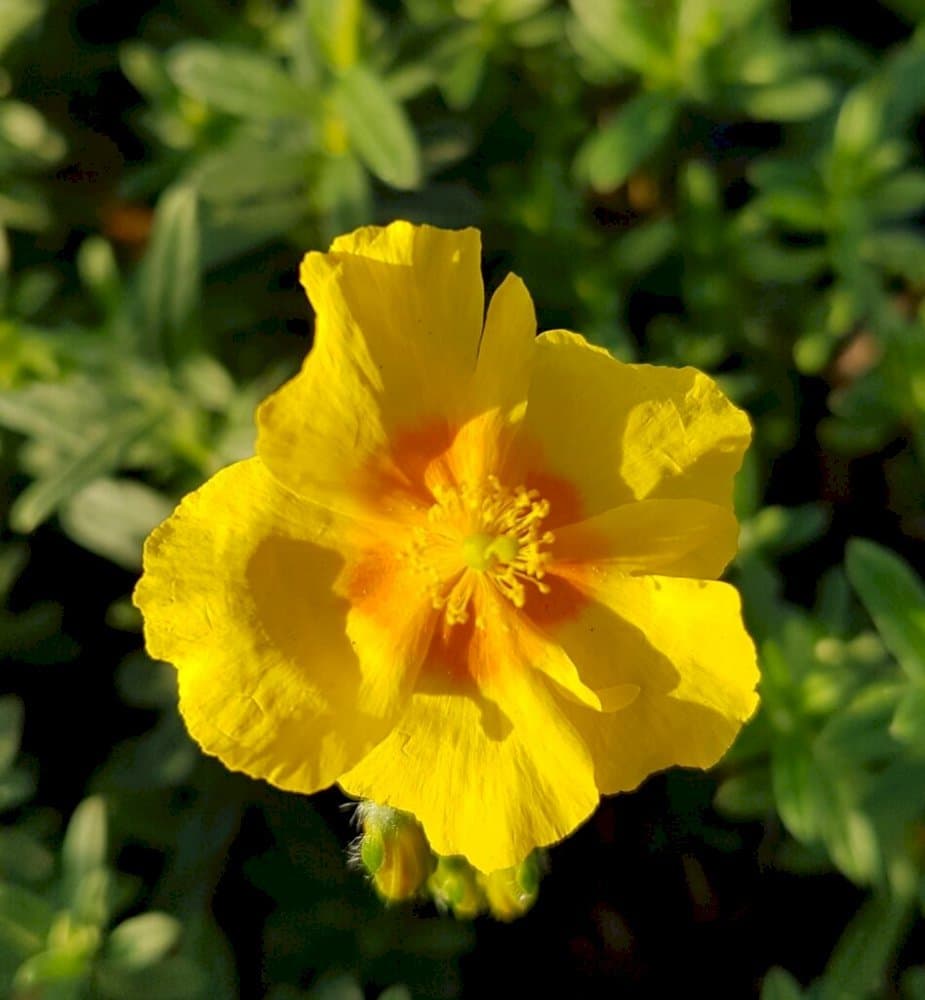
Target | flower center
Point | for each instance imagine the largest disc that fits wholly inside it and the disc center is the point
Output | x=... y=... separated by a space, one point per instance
x=488 y=530
x=481 y=551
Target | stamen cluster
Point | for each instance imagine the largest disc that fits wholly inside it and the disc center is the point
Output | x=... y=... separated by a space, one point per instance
x=484 y=529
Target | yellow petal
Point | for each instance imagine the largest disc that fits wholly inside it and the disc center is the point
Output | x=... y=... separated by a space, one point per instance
x=399 y=316
x=670 y=537
x=486 y=782
x=685 y=646
x=487 y=761
x=506 y=351
x=623 y=432
x=243 y=591
x=652 y=733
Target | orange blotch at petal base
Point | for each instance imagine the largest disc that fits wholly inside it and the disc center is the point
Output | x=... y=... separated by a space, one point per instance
x=467 y=542
x=471 y=572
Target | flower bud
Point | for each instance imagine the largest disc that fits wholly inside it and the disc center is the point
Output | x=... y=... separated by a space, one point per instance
x=454 y=886
x=394 y=850
x=511 y=892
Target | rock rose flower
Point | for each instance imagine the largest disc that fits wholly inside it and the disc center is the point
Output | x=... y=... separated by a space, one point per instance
x=471 y=572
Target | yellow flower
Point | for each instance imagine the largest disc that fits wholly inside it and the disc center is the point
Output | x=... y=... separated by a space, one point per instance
x=471 y=572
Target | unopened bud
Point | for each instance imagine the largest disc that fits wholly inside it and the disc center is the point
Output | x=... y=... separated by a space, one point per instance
x=394 y=850
x=454 y=886
x=511 y=892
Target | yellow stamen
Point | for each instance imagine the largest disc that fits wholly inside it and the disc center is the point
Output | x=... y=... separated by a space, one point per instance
x=495 y=531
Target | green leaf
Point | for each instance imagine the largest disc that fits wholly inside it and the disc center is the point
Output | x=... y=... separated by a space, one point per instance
x=746 y=796
x=908 y=723
x=170 y=275
x=645 y=246
x=336 y=26
x=238 y=81
x=99 y=455
x=11 y=718
x=143 y=940
x=859 y=962
x=784 y=529
x=247 y=171
x=797 y=785
x=16 y=787
x=146 y=683
x=85 y=842
x=612 y=153
x=379 y=129
x=25 y=919
x=791 y=101
x=343 y=194
x=896 y=251
x=778 y=984
x=858 y=127
x=175 y=978
x=460 y=66
x=16 y=18
x=22 y=857
x=860 y=731
x=337 y=987
x=898 y=197
x=631 y=34
x=57 y=411
x=894 y=598
x=99 y=272
x=56 y=974
x=793 y=207
x=112 y=517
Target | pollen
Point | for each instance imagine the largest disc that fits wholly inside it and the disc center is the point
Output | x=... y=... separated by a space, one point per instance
x=487 y=531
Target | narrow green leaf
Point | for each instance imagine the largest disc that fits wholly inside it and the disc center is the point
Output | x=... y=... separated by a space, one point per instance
x=612 y=153
x=143 y=940
x=175 y=978
x=790 y=101
x=22 y=857
x=16 y=787
x=146 y=683
x=57 y=411
x=797 y=782
x=112 y=517
x=746 y=796
x=238 y=81
x=896 y=251
x=899 y=196
x=170 y=276
x=57 y=974
x=98 y=456
x=778 y=984
x=379 y=129
x=858 y=127
x=894 y=598
x=11 y=717
x=630 y=33
x=246 y=171
x=343 y=194
x=85 y=842
x=859 y=962
x=16 y=18
x=784 y=529
x=25 y=919
x=908 y=723
x=336 y=25
x=796 y=208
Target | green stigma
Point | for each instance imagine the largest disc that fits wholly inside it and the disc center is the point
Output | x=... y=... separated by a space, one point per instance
x=481 y=551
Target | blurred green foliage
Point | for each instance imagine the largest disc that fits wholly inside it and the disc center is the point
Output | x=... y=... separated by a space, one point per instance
x=685 y=181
